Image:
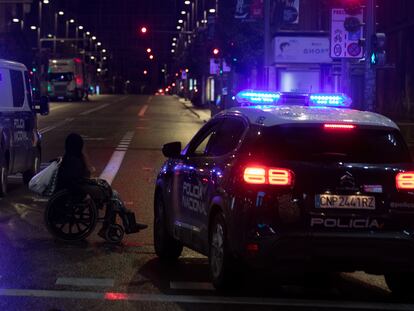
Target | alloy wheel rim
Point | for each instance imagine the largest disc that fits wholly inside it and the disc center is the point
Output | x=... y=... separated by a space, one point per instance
x=3 y=179
x=217 y=252
x=36 y=165
x=158 y=222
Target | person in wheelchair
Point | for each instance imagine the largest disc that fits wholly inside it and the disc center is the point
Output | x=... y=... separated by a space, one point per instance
x=75 y=175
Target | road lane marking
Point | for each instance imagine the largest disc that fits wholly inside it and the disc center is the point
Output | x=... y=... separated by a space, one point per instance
x=114 y=164
x=85 y=113
x=207 y=300
x=57 y=107
x=85 y=282
x=142 y=111
x=192 y=285
x=52 y=127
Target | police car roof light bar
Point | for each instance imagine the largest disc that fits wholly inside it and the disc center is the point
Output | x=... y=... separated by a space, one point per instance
x=257 y=97
x=330 y=100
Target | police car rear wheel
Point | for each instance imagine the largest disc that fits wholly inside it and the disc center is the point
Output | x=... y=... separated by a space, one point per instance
x=166 y=247
x=400 y=283
x=223 y=267
x=4 y=172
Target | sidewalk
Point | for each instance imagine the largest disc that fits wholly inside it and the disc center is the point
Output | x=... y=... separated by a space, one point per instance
x=203 y=114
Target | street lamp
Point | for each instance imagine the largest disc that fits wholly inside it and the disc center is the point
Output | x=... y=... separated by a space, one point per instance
x=212 y=11
x=60 y=13
x=149 y=50
x=33 y=27
x=39 y=31
x=187 y=2
x=183 y=12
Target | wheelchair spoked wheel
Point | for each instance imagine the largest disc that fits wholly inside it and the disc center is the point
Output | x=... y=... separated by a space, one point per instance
x=69 y=217
x=114 y=234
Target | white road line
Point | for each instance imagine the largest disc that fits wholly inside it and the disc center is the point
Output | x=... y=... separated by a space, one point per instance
x=192 y=285
x=85 y=282
x=115 y=162
x=52 y=127
x=208 y=300
x=54 y=108
x=142 y=111
x=85 y=113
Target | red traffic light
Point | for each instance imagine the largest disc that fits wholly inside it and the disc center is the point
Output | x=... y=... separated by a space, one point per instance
x=216 y=51
x=144 y=30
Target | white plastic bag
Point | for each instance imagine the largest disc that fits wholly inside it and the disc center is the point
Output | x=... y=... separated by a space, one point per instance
x=44 y=183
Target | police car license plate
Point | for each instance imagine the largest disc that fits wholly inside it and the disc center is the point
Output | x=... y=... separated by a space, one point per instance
x=345 y=201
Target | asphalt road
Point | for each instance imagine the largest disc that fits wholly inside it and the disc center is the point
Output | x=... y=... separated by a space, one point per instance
x=39 y=273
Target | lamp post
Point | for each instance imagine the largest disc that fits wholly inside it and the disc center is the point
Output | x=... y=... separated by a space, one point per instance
x=60 y=13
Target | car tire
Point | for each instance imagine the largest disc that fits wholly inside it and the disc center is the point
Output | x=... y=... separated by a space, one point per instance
x=4 y=175
x=223 y=267
x=166 y=246
x=28 y=175
x=400 y=283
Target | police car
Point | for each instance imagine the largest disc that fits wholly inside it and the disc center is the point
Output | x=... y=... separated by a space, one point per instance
x=20 y=147
x=291 y=181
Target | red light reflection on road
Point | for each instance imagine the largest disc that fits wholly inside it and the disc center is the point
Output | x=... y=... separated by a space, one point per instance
x=116 y=296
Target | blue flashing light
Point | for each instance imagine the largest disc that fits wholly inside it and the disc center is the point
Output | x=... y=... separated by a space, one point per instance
x=258 y=97
x=331 y=100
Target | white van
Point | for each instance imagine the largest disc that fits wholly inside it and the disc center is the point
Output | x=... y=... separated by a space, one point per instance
x=20 y=145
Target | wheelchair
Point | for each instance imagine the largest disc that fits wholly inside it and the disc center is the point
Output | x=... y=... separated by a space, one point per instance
x=72 y=217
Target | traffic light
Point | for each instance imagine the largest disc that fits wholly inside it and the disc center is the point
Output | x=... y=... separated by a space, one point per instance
x=216 y=51
x=378 y=54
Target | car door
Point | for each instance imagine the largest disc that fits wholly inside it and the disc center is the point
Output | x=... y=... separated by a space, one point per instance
x=186 y=196
x=30 y=126
x=19 y=137
x=6 y=113
x=203 y=179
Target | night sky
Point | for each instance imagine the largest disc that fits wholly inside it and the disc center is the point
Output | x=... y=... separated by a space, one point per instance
x=116 y=23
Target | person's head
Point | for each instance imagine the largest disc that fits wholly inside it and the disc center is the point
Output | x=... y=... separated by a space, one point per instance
x=74 y=145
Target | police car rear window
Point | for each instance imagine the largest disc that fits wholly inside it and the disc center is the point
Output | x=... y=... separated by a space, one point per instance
x=359 y=145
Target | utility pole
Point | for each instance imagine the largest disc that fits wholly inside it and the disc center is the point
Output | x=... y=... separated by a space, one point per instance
x=266 y=44
x=370 y=71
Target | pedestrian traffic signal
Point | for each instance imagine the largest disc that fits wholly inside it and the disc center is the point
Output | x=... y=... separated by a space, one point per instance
x=378 y=53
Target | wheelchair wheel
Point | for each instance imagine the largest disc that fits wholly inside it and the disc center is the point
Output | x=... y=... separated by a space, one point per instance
x=114 y=234
x=70 y=217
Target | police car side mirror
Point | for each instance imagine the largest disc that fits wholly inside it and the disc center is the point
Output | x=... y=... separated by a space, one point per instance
x=42 y=106
x=172 y=150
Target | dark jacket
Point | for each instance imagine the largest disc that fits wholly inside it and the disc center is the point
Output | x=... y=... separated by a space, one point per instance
x=71 y=172
x=73 y=168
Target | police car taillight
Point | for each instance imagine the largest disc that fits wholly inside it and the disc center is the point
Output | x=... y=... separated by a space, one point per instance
x=405 y=181
x=338 y=126
x=268 y=176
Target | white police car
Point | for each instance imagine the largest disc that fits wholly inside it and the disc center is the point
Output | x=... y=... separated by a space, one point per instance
x=291 y=181
x=20 y=148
